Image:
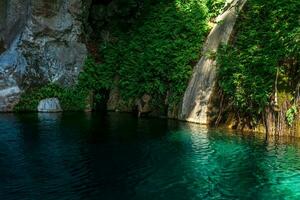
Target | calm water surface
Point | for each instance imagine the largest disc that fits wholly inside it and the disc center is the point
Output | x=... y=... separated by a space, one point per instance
x=88 y=156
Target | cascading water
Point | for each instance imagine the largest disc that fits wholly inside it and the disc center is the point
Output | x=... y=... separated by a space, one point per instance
x=197 y=96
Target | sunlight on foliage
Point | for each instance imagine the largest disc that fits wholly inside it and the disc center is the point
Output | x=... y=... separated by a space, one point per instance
x=157 y=54
x=267 y=39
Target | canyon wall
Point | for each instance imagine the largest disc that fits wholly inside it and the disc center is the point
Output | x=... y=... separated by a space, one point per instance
x=40 y=42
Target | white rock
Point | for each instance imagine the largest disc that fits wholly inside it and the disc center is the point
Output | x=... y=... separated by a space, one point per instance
x=49 y=105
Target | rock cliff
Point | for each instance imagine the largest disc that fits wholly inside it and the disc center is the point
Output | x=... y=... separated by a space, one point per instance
x=40 y=42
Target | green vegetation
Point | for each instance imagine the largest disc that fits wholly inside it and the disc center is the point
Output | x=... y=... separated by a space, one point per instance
x=96 y=76
x=267 y=40
x=153 y=55
x=71 y=99
x=215 y=7
x=151 y=46
x=291 y=114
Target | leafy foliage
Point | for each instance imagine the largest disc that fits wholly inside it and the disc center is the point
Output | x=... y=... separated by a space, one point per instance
x=267 y=39
x=71 y=99
x=150 y=45
x=215 y=7
x=157 y=54
x=97 y=76
x=291 y=114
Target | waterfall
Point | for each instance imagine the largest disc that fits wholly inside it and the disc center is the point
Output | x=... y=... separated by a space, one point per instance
x=197 y=96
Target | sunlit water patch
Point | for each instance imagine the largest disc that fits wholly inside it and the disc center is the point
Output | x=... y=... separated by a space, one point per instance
x=117 y=156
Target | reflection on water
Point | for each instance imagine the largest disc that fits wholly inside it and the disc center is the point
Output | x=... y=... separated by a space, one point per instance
x=90 y=156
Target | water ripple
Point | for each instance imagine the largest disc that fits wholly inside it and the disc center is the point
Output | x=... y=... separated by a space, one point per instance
x=121 y=157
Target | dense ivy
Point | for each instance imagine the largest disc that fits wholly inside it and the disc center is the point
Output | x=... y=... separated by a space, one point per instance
x=267 y=40
x=157 y=54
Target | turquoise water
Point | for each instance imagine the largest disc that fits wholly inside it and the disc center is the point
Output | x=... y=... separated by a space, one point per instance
x=117 y=156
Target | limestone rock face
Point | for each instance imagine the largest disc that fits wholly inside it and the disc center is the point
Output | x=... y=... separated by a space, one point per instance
x=196 y=104
x=40 y=42
x=49 y=105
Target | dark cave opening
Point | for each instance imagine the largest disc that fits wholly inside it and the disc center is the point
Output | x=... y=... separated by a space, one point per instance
x=101 y=98
x=2 y=46
x=101 y=2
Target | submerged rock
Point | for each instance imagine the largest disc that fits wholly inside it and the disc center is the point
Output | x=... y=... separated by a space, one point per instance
x=40 y=42
x=49 y=105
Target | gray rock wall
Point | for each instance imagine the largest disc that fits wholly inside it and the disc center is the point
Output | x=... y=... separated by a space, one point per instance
x=40 y=42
